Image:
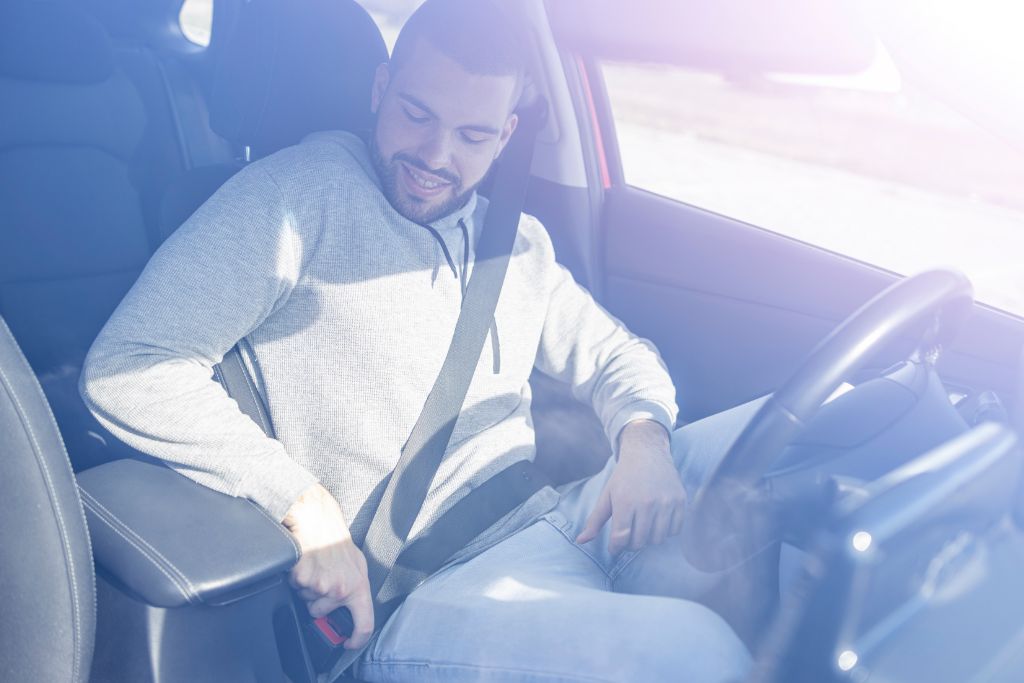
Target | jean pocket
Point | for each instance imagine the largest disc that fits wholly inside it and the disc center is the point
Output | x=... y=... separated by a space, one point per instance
x=559 y=521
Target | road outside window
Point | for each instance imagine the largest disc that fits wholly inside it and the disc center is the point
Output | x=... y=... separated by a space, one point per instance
x=882 y=173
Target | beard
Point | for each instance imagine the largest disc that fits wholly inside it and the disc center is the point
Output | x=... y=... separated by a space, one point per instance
x=416 y=210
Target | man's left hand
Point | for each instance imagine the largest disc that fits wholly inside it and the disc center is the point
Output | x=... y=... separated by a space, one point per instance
x=644 y=497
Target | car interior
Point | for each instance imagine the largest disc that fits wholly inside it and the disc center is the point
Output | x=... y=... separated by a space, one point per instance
x=874 y=534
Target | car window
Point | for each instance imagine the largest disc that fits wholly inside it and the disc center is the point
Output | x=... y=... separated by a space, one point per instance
x=196 y=20
x=865 y=166
x=390 y=15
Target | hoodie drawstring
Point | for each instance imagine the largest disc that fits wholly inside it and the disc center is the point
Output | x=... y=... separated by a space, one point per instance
x=464 y=282
x=444 y=248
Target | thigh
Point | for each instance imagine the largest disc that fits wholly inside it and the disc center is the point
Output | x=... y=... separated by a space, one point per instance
x=660 y=570
x=697 y=449
x=537 y=608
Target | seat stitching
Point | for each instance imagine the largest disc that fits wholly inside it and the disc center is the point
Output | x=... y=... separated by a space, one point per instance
x=135 y=535
x=92 y=505
x=65 y=538
x=143 y=541
x=281 y=529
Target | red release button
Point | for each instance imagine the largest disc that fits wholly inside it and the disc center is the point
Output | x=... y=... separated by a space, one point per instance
x=332 y=636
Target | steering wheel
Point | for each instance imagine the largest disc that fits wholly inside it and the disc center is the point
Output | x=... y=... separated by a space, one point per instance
x=725 y=525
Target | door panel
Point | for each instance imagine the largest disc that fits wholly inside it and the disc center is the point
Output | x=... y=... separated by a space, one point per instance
x=734 y=309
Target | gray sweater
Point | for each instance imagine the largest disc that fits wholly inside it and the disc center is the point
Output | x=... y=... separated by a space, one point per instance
x=349 y=309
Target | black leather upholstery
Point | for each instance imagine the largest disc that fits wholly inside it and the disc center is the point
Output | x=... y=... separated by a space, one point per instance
x=286 y=70
x=48 y=615
x=46 y=41
x=172 y=542
x=188 y=192
x=86 y=146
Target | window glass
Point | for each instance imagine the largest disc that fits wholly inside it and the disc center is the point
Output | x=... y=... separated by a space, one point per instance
x=196 y=20
x=390 y=15
x=865 y=166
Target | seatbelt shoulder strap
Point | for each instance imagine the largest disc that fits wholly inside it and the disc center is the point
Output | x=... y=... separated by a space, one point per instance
x=233 y=374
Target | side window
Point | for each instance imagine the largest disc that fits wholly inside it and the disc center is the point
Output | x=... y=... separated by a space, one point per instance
x=390 y=15
x=196 y=20
x=864 y=166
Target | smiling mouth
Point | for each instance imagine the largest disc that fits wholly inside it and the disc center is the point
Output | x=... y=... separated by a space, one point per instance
x=421 y=184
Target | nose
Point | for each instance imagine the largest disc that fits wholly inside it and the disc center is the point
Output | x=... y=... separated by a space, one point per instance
x=436 y=151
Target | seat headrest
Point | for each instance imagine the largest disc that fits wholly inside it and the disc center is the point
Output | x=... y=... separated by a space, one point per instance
x=52 y=42
x=293 y=67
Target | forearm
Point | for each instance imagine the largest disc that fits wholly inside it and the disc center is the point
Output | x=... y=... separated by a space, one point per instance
x=619 y=374
x=172 y=409
x=644 y=436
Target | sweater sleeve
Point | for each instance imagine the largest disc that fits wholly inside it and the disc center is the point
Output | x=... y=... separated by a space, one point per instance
x=619 y=374
x=148 y=376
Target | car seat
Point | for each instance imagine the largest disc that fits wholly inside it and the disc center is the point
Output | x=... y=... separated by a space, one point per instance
x=86 y=148
x=286 y=70
x=48 y=618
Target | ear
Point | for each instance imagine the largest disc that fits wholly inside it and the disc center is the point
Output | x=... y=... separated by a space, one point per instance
x=381 y=78
x=506 y=133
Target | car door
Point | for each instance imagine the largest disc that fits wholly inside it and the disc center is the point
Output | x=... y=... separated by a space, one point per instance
x=762 y=176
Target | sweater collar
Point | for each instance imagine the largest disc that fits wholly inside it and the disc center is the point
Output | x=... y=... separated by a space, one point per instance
x=360 y=150
x=451 y=221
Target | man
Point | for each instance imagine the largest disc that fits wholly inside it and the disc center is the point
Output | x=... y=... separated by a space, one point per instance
x=343 y=264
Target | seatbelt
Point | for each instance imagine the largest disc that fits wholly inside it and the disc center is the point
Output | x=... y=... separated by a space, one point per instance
x=427 y=443
x=424 y=450
x=233 y=374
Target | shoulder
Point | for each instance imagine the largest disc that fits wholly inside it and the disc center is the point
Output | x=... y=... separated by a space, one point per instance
x=533 y=236
x=322 y=161
x=532 y=239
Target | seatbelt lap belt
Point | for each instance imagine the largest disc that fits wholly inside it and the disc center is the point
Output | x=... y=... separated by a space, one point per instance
x=385 y=542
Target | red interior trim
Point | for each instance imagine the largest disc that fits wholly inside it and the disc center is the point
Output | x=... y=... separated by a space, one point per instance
x=602 y=158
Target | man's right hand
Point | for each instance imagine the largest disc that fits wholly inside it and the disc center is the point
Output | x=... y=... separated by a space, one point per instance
x=332 y=571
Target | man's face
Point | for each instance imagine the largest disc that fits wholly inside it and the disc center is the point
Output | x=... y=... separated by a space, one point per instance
x=439 y=129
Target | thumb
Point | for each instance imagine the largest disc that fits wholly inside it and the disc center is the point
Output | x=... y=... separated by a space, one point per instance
x=601 y=513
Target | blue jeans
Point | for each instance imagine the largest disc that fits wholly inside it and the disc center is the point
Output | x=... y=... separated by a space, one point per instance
x=538 y=607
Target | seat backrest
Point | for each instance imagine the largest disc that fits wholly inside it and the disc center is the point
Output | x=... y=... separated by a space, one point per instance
x=47 y=620
x=293 y=68
x=82 y=156
x=287 y=69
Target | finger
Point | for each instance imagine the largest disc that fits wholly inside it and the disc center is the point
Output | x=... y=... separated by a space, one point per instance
x=308 y=595
x=676 y=526
x=659 y=529
x=293 y=578
x=361 y=607
x=323 y=606
x=643 y=522
x=622 y=531
x=597 y=519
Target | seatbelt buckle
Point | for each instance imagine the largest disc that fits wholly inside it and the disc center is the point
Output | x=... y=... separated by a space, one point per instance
x=328 y=633
x=326 y=636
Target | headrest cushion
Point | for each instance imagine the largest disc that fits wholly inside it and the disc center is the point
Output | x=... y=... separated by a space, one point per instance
x=52 y=42
x=292 y=68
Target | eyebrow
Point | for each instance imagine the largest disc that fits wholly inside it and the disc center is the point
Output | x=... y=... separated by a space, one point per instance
x=488 y=130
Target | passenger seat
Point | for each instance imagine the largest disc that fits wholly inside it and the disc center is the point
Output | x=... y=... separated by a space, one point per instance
x=83 y=162
x=93 y=173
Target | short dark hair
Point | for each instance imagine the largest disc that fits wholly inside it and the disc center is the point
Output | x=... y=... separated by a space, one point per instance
x=480 y=35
